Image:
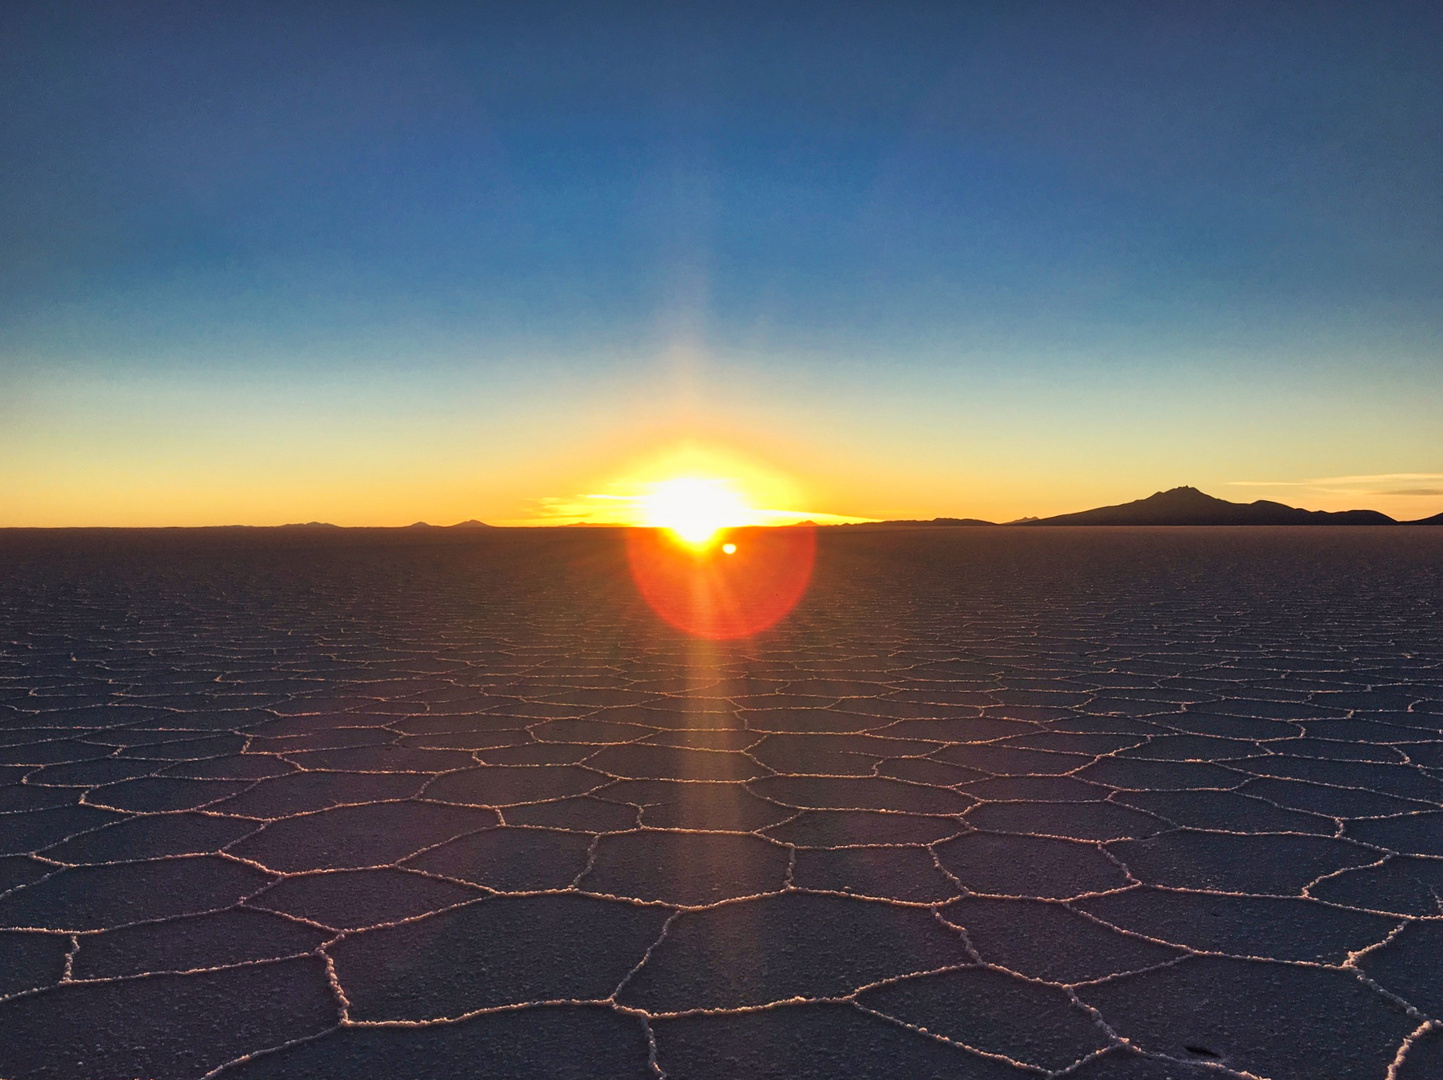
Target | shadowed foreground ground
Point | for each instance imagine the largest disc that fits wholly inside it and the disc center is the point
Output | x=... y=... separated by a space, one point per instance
x=1130 y=805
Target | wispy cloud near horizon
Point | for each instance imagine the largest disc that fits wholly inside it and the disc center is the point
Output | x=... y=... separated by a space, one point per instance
x=629 y=510
x=1369 y=484
x=1362 y=479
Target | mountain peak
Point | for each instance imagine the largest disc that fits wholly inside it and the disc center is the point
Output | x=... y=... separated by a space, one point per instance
x=1185 y=493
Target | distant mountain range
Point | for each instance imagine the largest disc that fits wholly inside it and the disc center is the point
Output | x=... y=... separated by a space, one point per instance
x=1189 y=506
x=471 y=524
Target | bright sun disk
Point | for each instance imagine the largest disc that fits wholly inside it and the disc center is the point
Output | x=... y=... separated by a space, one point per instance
x=695 y=508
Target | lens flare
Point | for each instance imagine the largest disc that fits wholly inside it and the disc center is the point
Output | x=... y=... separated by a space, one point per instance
x=723 y=590
x=711 y=545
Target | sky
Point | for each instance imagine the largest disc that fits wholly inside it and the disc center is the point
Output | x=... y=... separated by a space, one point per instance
x=374 y=263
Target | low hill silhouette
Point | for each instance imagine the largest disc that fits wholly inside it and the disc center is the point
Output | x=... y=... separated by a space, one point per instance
x=1189 y=506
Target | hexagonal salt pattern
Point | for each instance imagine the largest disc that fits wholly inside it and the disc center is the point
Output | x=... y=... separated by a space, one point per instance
x=1124 y=805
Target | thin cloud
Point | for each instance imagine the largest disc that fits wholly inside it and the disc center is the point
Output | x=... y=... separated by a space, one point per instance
x=1379 y=478
x=627 y=509
x=1370 y=484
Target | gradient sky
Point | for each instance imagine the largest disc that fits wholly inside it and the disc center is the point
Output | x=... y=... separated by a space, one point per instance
x=375 y=263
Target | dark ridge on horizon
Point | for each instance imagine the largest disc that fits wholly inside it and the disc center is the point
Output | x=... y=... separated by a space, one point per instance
x=289 y=527
x=1189 y=506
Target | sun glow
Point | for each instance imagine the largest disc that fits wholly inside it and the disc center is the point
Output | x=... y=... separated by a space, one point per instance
x=695 y=508
x=689 y=491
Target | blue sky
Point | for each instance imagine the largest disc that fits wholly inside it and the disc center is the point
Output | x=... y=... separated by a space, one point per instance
x=379 y=262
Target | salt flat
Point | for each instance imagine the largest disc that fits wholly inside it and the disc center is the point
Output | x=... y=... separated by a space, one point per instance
x=1133 y=804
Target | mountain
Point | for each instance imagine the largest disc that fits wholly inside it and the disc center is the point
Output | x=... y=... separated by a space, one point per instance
x=1436 y=519
x=472 y=523
x=1189 y=506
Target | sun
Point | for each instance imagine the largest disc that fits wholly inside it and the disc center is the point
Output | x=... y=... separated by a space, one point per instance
x=695 y=508
x=690 y=493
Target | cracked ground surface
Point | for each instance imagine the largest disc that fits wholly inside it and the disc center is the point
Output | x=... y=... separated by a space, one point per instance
x=1103 y=804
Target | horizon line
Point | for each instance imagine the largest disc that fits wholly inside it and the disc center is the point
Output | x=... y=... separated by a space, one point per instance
x=829 y=520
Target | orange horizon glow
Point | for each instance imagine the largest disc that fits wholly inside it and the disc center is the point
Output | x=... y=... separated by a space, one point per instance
x=123 y=460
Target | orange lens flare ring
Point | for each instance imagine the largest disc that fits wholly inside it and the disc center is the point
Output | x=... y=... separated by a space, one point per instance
x=739 y=583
